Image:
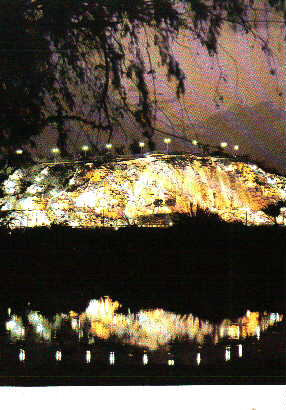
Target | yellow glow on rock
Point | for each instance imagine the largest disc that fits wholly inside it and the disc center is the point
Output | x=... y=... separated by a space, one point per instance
x=126 y=190
x=100 y=330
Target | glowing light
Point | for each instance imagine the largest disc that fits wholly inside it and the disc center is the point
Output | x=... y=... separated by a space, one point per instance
x=167 y=142
x=141 y=144
x=239 y=350
x=58 y=355
x=233 y=331
x=111 y=358
x=88 y=356
x=22 y=355
x=19 y=151
x=86 y=199
x=108 y=146
x=55 y=150
x=198 y=359
x=236 y=147
x=223 y=144
x=10 y=325
x=74 y=324
x=274 y=317
x=41 y=325
x=11 y=186
x=15 y=328
x=85 y=148
x=258 y=332
x=9 y=311
x=227 y=353
x=171 y=362
x=145 y=359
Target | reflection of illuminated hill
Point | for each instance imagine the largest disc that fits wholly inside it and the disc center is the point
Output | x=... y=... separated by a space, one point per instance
x=151 y=329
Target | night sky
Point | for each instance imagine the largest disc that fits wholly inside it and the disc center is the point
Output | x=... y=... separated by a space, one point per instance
x=250 y=113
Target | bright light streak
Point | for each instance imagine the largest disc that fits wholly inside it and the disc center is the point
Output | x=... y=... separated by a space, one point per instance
x=257 y=331
x=22 y=355
x=198 y=359
x=111 y=358
x=239 y=350
x=145 y=359
x=227 y=353
x=58 y=355
x=88 y=356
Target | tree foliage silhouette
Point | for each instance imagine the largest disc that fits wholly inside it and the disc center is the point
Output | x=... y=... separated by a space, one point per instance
x=273 y=210
x=50 y=49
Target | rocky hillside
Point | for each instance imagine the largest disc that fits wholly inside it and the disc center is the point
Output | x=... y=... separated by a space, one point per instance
x=146 y=191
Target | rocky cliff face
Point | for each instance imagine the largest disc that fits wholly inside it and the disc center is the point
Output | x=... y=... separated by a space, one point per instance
x=136 y=190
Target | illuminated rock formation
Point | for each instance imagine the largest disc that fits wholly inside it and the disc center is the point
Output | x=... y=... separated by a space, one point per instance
x=128 y=191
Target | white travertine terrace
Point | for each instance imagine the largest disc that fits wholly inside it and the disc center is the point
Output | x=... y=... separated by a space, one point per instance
x=146 y=188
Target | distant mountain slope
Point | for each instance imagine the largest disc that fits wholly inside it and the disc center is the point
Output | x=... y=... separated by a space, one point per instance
x=260 y=131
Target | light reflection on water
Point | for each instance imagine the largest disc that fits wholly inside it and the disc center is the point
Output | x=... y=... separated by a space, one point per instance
x=227 y=353
x=88 y=356
x=145 y=359
x=111 y=358
x=22 y=355
x=221 y=353
x=58 y=355
x=152 y=329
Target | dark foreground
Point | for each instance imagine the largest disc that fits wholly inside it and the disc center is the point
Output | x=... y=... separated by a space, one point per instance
x=244 y=372
x=211 y=269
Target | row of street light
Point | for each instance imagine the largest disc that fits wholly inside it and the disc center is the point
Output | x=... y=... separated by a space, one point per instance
x=222 y=145
x=85 y=148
